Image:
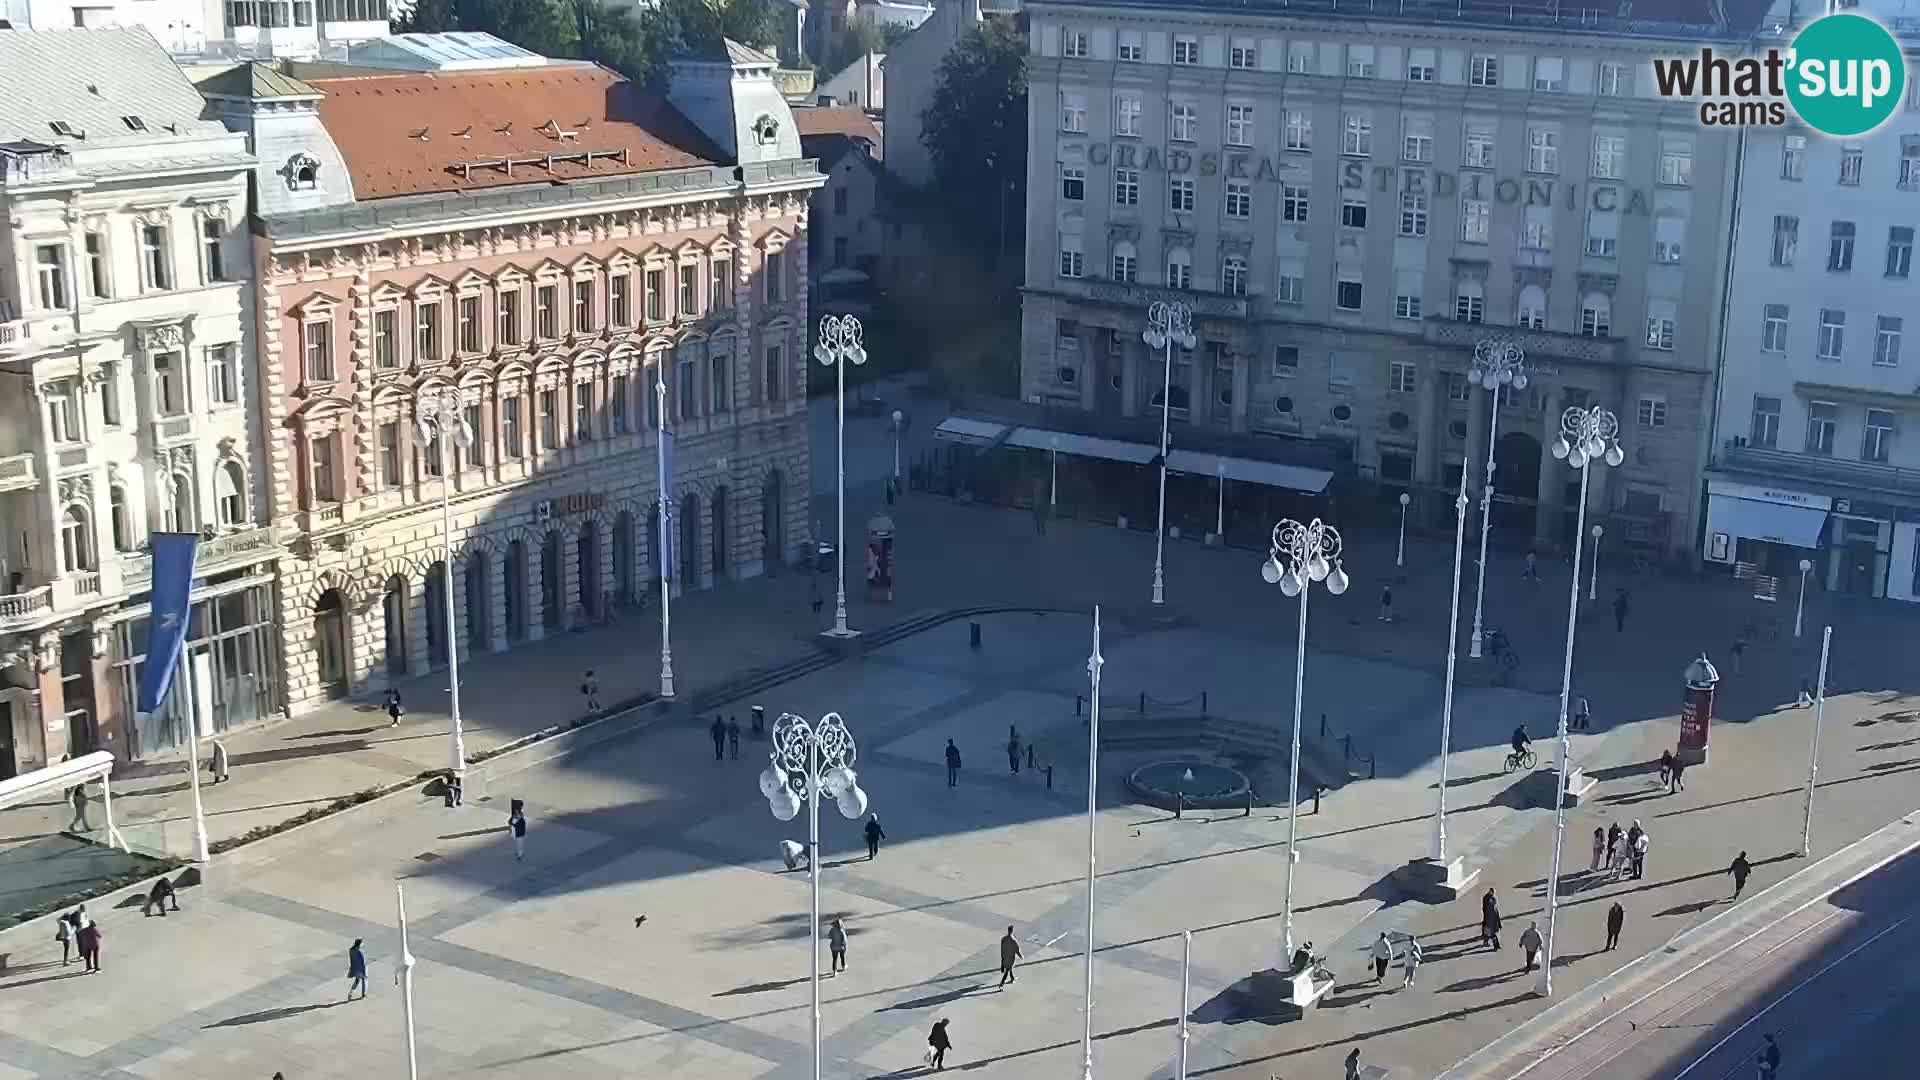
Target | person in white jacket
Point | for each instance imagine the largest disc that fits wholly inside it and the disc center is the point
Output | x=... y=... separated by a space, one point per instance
x=1410 y=961
x=1382 y=956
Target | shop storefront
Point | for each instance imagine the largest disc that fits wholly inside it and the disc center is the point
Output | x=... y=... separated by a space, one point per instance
x=232 y=638
x=1853 y=544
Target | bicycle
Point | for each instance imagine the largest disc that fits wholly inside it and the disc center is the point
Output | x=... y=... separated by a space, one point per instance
x=1500 y=649
x=1523 y=759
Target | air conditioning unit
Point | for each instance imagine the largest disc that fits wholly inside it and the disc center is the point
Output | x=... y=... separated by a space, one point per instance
x=543 y=511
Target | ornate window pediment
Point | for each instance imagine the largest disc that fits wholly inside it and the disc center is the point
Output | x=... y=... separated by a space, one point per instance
x=656 y=256
x=775 y=240
x=470 y=282
x=688 y=251
x=509 y=277
x=550 y=363
x=516 y=369
x=429 y=288
x=584 y=265
x=720 y=246
x=317 y=306
x=388 y=293
x=621 y=260
x=157 y=337
x=321 y=410
x=549 y=268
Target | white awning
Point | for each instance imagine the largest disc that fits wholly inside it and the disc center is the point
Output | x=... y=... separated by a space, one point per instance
x=971 y=432
x=1779 y=523
x=1267 y=473
x=1082 y=445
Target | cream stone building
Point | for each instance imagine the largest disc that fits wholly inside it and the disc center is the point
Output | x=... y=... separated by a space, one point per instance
x=534 y=247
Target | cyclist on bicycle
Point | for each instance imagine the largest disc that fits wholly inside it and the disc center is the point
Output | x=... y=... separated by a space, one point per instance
x=1521 y=742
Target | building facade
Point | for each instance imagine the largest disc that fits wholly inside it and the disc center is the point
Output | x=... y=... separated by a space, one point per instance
x=1814 y=457
x=532 y=248
x=125 y=329
x=1351 y=203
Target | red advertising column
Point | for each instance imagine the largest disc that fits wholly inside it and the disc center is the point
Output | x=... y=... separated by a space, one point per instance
x=880 y=557
x=1696 y=712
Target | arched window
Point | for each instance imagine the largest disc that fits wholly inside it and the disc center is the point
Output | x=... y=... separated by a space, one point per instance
x=179 y=516
x=1233 y=276
x=1533 y=308
x=1596 y=315
x=229 y=485
x=1126 y=263
x=330 y=642
x=76 y=539
x=121 y=521
x=1179 y=269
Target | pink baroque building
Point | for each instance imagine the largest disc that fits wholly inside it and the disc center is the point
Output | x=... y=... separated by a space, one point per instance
x=543 y=249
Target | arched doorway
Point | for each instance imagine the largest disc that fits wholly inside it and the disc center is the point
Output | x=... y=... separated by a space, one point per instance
x=689 y=569
x=773 y=525
x=655 y=567
x=393 y=605
x=330 y=642
x=552 y=581
x=479 y=625
x=1516 y=476
x=515 y=593
x=623 y=558
x=720 y=538
x=587 y=557
x=437 y=615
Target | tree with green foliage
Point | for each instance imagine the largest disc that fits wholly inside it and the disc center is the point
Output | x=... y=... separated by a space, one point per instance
x=637 y=43
x=699 y=25
x=975 y=128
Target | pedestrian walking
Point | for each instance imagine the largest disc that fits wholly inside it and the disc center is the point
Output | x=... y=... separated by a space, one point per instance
x=1739 y=870
x=1582 y=714
x=875 y=834
x=837 y=945
x=1616 y=918
x=88 y=938
x=1530 y=945
x=1739 y=651
x=356 y=970
x=158 y=897
x=1382 y=956
x=953 y=764
x=1640 y=846
x=1805 y=700
x=63 y=933
x=719 y=733
x=394 y=709
x=1013 y=750
x=1532 y=572
x=1410 y=962
x=218 y=762
x=938 y=1044
x=1009 y=952
x=1490 y=920
x=1666 y=770
x=1679 y=774
x=733 y=738
x=1386 y=603
x=78 y=795
x=590 y=690
x=517 y=825
x=1353 y=1064
x=1599 y=847
x=814 y=600
x=1769 y=1058
x=1620 y=605
x=1616 y=849
x=1039 y=515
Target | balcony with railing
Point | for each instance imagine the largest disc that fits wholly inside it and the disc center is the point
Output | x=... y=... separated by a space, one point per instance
x=222 y=552
x=17 y=473
x=172 y=429
x=26 y=608
x=1539 y=345
x=1836 y=475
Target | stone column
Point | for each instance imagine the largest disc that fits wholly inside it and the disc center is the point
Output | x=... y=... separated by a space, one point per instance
x=535 y=600
x=1130 y=371
x=53 y=698
x=1478 y=402
x=109 y=704
x=1427 y=437
x=1546 y=512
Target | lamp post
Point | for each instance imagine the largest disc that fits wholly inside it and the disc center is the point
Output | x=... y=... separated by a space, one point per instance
x=810 y=759
x=440 y=422
x=1453 y=653
x=1586 y=435
x=1186 y=991
x=405 y=978
x=1298 y=556
x=837 y=346
x=1497 y=363
x=664 y=450
x=1400 y=553
x=1095 y=662
x=1593 y=586
x=1169 y=323
x=898 y=419
x=1800 y=608
x=1813 y=752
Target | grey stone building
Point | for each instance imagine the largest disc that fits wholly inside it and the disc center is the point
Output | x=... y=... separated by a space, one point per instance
x=1351 y=201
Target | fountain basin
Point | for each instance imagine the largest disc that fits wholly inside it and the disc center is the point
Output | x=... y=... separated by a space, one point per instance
x=1203 y=784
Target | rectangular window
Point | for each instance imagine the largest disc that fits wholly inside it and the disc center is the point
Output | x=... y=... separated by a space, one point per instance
x=1126 y=187
x=1239 y=125
x=1073 y=183
x=1300 y=57
x=1823 y=419
x=1616 y=80
x=583 y=307
x=1179 y=271
x=719 y=379
x=546 y=312
x=156 y=265
x=1469 y=307
x=213 y=251
x=720 y=296
x=1413 y=214
x=1421 y=65
x=689 y=291
x=583 y=411
x=619 y=421
x=1180 y=195
x=1660 y=330
x=1075 y=44
x=1786 y=238
x=1406 y=305
x=513 y=438
x=1609 y=156
x=1126 y=115
x=1356 y=133
x=1294 y=203
x=1476 y=218
x=223 y=378
x=1833 y=333
x=1183 y=122
x=1676 y=161
x=1483 y=70
x=1773 y=329
x=1347 y=294
x=1477 y=144
x=1073 y=112
x=1603 y=229
x=686 y=385
x=1125 y=266
x=1652 y=411
x=1877 y=442
x=1899 y=251
x=426 y=342
x=620 y=299
x=1840 y=248
x=1851 y=158
x=549 y=419
x=110 y=399
x=1072 y=258
x=776 y=275
x=509 y=305
x=1290 y=287
x=1596 y=318
x=1298 y=130
x=1543 y=149
x=1233 y=276
x=1239 y=201
x=1360 y=60
x=1909 y=164
x=469 y=319
x=390 y=474
x=318 y=346
x=1550 y=74
x=1793 y=157
x=320 y=458
x=1132 y=46
x=1416 y=137
x=776 y=363
x=386 y=345
x=1668 y=239
x=63 y=413
x=1402 y=377
x=1536 y=228
x=1186 y=49
x=656 y=284
x=50 y=273
x=1242 y=53
x=476 y=454
x=1764 y=432
x=96 y=248
x=1886 y=340
x=1286 y=361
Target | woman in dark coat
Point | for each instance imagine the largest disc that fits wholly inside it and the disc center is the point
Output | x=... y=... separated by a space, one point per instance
x=89 y=941
x=1490 y=921
x=937 y=1038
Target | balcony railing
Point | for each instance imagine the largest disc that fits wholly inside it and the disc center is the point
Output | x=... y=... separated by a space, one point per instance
x=86 y=583
x=1539 y=345
x=20 y=609
x=169 y=429
x=15 y=331
x=71 y=457
x=1826 y=471
x=17 y=473
x=212 y=556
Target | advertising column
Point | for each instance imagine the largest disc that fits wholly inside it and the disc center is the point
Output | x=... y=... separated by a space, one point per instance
x=1696 y=712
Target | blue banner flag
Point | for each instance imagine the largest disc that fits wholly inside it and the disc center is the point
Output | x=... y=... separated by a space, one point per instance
x=173 y=555
x=665 y=544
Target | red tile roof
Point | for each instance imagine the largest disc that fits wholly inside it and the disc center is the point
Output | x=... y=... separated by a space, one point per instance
x=408 y=134
x=835 y=120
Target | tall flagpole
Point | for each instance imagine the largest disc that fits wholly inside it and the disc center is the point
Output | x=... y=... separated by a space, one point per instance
x=1094 y=663
x=666 y=508
x=405 y=978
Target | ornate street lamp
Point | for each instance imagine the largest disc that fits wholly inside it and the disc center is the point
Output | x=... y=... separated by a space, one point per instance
x=1169 y=323
x=440 y=421
x=839 y=344
x=1497 y=364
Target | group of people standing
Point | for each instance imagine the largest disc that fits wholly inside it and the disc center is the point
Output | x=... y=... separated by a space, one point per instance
x=1617 y=852
x=76 y=931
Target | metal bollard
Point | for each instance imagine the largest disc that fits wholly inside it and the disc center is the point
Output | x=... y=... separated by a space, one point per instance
x=1317 y=790
x=1143 y=703
x=973 y=634
x=1346 y=746
x=1323 y=725
x=1077 y=702
x=1373 y=766
x=1249 y=810
x=1203 y=703
x=1030 y=756
x=1049 y=778
x=1179 y=803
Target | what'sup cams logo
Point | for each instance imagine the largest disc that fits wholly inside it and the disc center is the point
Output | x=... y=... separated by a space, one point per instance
x=1843 y=75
